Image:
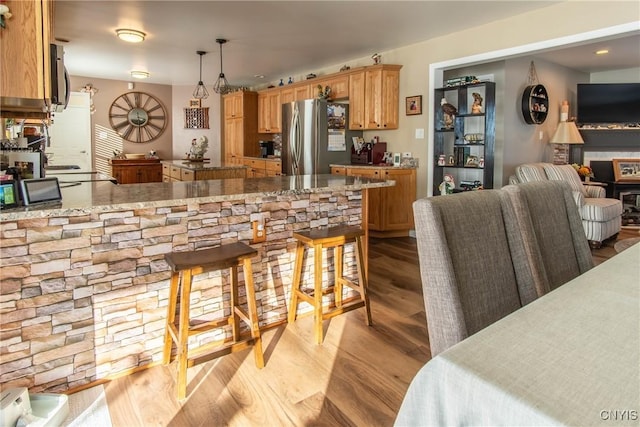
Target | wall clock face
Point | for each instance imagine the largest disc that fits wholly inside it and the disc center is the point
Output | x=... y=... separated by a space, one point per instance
x=137 y=117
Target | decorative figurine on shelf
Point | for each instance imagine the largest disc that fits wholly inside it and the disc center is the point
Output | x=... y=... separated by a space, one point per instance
x=117 y=154
x=451 y=162
x=476 y=108
x=324 y=93
x=449 y=113
x=198 y=148
x=481 y=162
x=441 y=160
x=377 y=58
x=290 y=80
x=447 y=185
x=281 y=83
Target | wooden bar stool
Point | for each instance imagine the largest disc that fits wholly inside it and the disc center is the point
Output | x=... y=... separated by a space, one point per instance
x=184 y=266
x=336 y=238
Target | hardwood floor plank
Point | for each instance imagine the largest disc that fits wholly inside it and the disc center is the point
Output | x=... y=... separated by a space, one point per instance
x=357 y=377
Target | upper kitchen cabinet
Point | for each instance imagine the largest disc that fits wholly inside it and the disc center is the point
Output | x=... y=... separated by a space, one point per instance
x=269 y=111
x=25 y=64
x=374 y=99
x=240 y=132
x=339 y=86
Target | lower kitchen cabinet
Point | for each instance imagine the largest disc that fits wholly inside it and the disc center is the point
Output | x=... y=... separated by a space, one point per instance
x=390 y=208
x=136 y=171
x=184 y=172
x=257 y=167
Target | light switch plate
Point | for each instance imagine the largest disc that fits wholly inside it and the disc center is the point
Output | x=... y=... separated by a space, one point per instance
x=420 y=133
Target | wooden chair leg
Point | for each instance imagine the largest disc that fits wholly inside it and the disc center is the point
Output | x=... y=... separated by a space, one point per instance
x=253 y=313
x=295 y=283
x=338 y=258
x=362 y=280
x=234 y=320
x=317 y=292
x=171 y=317
x=183 y=334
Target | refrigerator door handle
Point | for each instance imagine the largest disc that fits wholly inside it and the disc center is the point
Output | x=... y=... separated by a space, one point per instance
x=295 y=138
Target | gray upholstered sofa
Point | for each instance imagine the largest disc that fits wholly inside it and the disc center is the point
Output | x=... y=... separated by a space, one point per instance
x=601 y=217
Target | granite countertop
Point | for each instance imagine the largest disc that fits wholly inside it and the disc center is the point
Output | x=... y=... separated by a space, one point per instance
x=95 y=197
x=66 y=177
x=199 y=166
x=380 y=166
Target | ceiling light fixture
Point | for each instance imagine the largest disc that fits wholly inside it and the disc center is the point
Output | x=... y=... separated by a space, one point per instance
x=140 y=74
x=201 y=91
x=602 y=51
x=131 y=36
x=222 y=85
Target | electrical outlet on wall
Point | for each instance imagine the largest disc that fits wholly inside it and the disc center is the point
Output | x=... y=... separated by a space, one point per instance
x=406 y=154
x=259 y=229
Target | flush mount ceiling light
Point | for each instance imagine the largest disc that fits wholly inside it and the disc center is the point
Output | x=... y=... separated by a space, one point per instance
x=140 y=74
x=222 y=85
x=131 y=36
x=602 y=52
x=201 y=91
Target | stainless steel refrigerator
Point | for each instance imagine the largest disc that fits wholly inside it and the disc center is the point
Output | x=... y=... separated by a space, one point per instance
x=314 y=135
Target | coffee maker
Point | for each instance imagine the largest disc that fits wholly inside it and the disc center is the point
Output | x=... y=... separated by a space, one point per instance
x=266 y=148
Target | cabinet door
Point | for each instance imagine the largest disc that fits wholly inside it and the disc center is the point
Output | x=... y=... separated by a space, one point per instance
x=287 y=95
x=339 y=86
x=233 y=105
x=356 y=101
x=398 y=200
x=24 y=49
x=373 y=99
x=275 y=112
x=263 y=113
x=390 y=101
x=375 y=196
x=303 y=92
x=233 y=141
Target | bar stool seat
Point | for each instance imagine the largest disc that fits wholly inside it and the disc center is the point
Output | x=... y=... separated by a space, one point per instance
x=318 y=239
x=184 y=266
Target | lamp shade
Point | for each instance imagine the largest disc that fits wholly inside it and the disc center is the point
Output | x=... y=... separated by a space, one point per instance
x=567 y=133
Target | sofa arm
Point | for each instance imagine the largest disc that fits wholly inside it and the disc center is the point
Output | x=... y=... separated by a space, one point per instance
x=594 y=191
x=578 y=197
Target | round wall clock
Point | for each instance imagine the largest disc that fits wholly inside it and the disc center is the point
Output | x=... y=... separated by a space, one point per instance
x=137 y=117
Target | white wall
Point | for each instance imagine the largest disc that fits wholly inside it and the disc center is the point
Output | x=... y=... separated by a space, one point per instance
x=182 y=137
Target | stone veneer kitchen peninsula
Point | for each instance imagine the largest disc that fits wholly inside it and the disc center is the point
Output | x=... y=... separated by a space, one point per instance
x=84 y=284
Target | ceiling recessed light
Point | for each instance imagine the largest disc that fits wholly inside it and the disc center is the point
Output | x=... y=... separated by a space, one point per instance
x=139 y=74
x=259 y=76
x=131 y=36
x=602 y=51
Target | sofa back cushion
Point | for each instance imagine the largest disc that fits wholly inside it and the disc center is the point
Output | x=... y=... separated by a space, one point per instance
x=565 y=173
x=531 y=172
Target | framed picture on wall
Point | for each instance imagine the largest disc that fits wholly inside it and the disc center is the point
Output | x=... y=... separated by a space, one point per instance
x=626 y=170
x=414 y=105
x=195 y=103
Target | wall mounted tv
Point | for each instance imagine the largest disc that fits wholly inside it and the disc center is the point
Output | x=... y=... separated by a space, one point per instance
x=605 y=103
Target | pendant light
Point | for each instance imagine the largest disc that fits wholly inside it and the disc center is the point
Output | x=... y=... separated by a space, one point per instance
x=201 y=91
x=222 y=85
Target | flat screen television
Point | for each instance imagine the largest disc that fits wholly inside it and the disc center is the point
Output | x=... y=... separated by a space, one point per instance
x=604 y=103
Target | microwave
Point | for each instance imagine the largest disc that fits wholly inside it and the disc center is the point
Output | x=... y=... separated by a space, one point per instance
x=60 y=83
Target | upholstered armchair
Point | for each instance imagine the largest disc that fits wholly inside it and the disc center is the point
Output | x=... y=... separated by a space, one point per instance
x=601 y=217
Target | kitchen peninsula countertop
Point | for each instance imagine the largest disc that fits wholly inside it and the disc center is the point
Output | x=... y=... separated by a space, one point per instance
x=105 y=196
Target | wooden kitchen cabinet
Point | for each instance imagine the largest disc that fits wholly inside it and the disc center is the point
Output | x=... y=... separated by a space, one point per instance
x=136 y=171
x=25 y=59
x=258 y=167
x=269 y=111
x=172 y=172
x=339 y=86
x=390 y=208
x=373 y=98
x=240 y=126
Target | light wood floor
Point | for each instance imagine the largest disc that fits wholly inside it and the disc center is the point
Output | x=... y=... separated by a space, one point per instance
x=357 y=377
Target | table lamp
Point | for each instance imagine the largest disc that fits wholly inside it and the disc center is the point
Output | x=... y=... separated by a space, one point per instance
x=567 y=133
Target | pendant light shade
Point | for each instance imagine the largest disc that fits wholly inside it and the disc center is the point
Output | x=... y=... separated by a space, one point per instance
x=222 y=84
x=201 y=91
